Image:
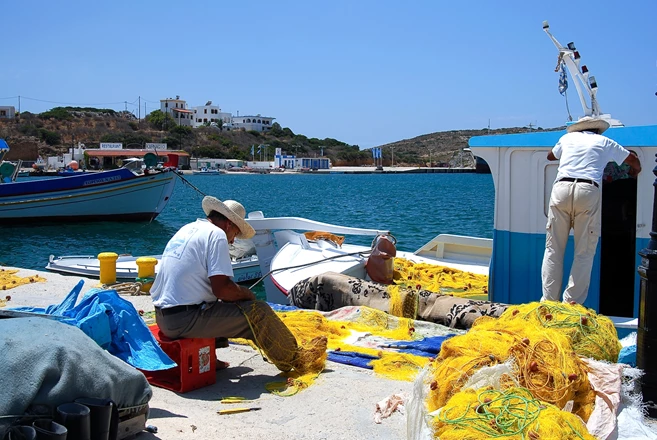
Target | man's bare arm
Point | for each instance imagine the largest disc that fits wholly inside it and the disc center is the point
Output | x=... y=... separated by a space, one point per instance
x=551 y=156
x=227 y=290
x=633 y=161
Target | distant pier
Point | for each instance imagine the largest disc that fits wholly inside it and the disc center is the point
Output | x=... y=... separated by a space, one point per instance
x=390 y=170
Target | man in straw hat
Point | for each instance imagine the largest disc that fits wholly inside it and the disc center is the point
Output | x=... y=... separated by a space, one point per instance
x=575 y=203
x=195 y=297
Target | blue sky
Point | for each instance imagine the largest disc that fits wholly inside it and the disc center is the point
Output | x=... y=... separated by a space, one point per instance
x=360 y=71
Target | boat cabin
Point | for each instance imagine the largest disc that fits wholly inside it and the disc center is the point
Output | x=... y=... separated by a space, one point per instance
x=523 y=179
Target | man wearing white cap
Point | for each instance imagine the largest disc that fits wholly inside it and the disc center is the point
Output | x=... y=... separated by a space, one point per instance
x=575 y=203
x=195 y=297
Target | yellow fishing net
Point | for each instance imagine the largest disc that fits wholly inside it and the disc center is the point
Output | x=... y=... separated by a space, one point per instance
x=440 y=279
x=9 y=280
x=543 y=360
x=591 y=335
x=308 y=325
x=511 y=414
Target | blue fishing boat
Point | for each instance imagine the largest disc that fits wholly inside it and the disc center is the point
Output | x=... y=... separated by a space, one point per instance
x=122 y=194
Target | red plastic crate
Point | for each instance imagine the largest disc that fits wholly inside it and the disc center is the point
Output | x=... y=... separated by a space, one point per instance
x=196 y=363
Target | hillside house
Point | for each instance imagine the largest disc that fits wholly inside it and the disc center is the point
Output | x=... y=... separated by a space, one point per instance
x=209 y=114
x=178 y=110
x=252 y=123
x=7 y=112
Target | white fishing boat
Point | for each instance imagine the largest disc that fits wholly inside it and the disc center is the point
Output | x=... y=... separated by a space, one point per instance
x=288 y=256
x=208 y=172
x=244 y=269
x=523 y=180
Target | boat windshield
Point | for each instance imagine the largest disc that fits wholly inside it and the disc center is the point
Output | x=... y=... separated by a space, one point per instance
x=134 y=164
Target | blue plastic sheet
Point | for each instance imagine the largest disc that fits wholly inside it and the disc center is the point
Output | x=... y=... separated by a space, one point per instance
x=352 y=358
x=628 y=356
x=113 y=323
x=428 y=347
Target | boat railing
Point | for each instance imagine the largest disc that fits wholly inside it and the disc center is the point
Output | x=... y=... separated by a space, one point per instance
x=261 y=223
x=458 y=248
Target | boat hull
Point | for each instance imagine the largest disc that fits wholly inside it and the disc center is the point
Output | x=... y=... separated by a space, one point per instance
x=113 y=195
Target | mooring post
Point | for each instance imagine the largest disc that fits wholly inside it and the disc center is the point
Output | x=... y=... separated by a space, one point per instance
x=646 y=347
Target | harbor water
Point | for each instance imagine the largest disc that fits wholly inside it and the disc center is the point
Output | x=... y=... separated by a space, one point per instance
x=414 y=207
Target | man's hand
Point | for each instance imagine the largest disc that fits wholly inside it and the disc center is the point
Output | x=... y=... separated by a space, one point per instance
x=633 y=161
x=248 y=294
x=227 y=290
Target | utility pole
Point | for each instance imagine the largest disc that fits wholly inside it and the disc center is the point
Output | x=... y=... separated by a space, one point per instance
x=19 y=105
x=126 y=105
x=139 y=107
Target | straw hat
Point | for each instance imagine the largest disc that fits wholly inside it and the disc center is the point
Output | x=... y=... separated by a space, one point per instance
x=589 y=123
x=233 y=211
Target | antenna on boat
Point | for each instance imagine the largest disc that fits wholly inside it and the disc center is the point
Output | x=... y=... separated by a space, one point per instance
x=585 y=84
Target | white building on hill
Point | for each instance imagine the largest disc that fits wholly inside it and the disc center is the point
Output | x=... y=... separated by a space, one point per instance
x=255 y=123
x=178 y=110
x=209 y=113
x=7 y=112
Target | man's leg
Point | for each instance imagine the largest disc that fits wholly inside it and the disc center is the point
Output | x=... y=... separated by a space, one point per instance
x=587 y=233
x=556 y=238
x=253 y=320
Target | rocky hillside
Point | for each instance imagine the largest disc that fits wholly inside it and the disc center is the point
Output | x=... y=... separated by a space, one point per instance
x=56 y=130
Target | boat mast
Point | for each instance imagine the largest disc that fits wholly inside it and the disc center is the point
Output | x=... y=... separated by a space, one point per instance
x=586 y=85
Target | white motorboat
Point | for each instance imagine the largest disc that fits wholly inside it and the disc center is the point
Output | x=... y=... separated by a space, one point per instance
x=244 y=269
x=289 y=257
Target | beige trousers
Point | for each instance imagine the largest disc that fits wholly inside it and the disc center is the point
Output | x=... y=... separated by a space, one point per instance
x=573 y=205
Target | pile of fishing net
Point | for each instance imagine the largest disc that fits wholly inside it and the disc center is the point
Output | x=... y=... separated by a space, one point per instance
x=513 y=413
x=534 y=348
x=440 y=279
x=365 y=334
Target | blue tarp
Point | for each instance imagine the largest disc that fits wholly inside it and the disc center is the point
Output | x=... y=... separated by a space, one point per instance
x=352 y=358
x=427 y=347
x=113 y=323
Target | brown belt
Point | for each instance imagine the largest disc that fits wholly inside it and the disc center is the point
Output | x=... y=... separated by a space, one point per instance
x=177 y=309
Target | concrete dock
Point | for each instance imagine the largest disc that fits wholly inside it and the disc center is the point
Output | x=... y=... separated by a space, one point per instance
x=339 y=405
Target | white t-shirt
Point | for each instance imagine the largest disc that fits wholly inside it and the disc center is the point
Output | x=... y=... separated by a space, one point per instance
x=196 y=252
x=584 y=155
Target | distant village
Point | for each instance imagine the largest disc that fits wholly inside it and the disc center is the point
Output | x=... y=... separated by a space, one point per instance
x=112 y=154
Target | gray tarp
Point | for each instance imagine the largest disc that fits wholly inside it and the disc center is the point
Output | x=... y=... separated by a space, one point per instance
x=45 y=363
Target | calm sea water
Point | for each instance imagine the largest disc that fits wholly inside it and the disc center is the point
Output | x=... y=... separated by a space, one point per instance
x=414 y=207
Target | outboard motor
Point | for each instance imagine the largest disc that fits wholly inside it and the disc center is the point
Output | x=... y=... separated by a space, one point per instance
x=380 y=264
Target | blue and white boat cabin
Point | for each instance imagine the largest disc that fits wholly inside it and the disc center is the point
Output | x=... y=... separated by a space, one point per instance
x=523 y=179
